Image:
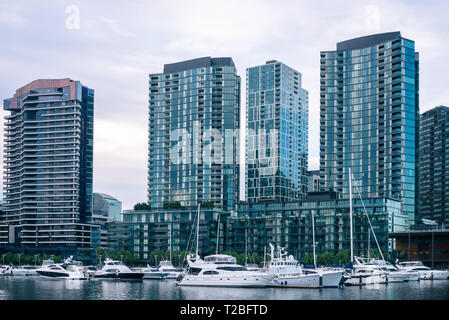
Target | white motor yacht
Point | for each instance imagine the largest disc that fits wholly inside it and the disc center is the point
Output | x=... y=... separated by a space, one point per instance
x=167 y=268
x=116 y=270
x=67 y=270
x=221 y=271
x=394 y=274
x=425 y=272
x=290 y=273
x=153 y=273
x=366 y=273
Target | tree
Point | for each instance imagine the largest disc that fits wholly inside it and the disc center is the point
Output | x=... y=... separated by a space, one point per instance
x=172 y=205
x=241 y=259
x=254 y=258
x=325 y=258
x=207 y=204
x=142 y=206
x=308 y=259
x=342 y=257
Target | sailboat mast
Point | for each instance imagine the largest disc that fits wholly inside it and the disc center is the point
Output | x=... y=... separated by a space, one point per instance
x=198 y=229
x=350 y=216
x=218 y=232
x=313 y=239
x=369 y=242
x=246 y=246
x=264 y=253
x=171 y=230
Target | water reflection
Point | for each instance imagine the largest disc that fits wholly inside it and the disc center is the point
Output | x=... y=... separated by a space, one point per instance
x=37 y=288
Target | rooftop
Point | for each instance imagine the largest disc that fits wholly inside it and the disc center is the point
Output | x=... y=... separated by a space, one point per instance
x=198 y=63
x=368 y=41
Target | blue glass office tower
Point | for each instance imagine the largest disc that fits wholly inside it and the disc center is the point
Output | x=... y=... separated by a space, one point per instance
x=434 y=165
x=369 y=116
x=194 y=109
x=277 y=134
x=48 y=161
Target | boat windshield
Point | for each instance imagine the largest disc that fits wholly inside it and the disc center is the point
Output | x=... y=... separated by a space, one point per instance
x=71 y=267
x=221 y=259
x=237 y=268
x=411 y=263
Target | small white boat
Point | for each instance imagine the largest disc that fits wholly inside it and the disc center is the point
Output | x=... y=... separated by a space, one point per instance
x=167 y=268
x=116 y=270
x=289 y=273
x=153 y=273
x=425 y=272
x=68 y=270
x=394 y=274
x=90 y=270
x=364 y=273
x=18 y=271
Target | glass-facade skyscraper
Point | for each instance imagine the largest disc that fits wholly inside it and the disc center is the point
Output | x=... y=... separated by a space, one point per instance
x=434 y=165
x=277 y=134
x=194 y=109
x=369 y=116
x=48 y=161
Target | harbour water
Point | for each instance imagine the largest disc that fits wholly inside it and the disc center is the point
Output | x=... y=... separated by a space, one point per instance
x=36 y=288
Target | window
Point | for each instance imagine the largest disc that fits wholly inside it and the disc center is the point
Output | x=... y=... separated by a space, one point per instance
x=207 y=273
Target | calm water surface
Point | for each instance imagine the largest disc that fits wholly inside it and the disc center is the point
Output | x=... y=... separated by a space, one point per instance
x=36 y=288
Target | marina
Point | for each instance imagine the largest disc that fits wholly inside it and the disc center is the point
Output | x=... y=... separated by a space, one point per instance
x=38 y=288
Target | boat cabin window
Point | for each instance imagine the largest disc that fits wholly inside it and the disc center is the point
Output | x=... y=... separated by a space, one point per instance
x=194 y=271
x=221 y=259
x=210 y=272
x=232 y=268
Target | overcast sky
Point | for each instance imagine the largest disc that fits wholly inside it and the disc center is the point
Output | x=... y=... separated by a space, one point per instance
x=112 y=46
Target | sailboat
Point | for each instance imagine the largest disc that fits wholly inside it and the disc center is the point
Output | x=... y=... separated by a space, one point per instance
x=166 y=266
x=330 y=277
x=361 y=272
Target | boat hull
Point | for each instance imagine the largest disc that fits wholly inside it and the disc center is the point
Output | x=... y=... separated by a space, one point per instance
x=332 y=279
x=398 y=277
x=154 y=276
x=360 y=280
x=225 y=281
x=60 y=275
x=436 y=275
x=120 y=276
x=298 y=281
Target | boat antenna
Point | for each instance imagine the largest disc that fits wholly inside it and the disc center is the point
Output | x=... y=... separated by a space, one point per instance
x=369 y=221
